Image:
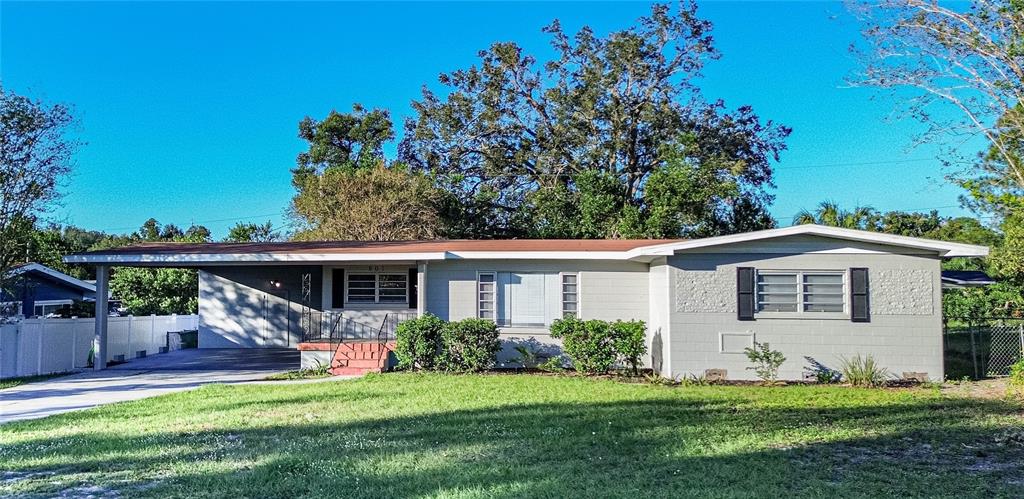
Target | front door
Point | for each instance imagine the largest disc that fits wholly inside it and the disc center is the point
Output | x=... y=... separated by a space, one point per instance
x=277 y=321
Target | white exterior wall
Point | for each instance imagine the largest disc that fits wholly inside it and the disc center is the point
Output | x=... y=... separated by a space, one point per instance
x=608 y=290
x=904 y=333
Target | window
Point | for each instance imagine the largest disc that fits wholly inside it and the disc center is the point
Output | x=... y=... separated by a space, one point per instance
x=377 y=288
x=823 y=293
x=570 y=295
x=487 y=293
x=801 y=292
x=44 y=308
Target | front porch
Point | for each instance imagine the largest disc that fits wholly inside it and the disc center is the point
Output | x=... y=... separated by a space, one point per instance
x=349 y=347
x=341 y=314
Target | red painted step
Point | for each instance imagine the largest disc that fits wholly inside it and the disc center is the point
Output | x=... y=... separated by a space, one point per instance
x=360 y=358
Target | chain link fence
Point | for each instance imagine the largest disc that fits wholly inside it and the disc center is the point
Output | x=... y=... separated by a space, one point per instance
x=979 y=348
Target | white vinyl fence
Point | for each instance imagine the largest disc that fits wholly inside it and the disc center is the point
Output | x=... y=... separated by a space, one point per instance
x=43 y=346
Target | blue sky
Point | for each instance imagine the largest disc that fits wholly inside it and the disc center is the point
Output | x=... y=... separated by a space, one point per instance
x=190 y=110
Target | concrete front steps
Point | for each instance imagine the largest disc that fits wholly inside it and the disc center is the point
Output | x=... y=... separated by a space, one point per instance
x=354 y=358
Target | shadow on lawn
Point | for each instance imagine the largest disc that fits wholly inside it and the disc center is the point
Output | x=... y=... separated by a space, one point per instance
x=647 y=448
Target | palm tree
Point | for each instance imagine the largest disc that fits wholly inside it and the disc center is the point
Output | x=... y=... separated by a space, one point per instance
x=829 y=213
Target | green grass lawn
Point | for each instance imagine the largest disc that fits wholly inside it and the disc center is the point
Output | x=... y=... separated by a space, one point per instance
x=403 y=435
x=13 y=382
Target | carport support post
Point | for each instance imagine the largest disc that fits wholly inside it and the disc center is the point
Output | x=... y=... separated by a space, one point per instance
x=421 y=289
x=100 y=341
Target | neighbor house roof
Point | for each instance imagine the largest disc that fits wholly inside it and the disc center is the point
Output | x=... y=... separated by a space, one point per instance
x=955 y=279
x=53 y=274
x=185 y=254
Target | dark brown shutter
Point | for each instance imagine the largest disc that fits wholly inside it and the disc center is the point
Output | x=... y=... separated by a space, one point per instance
x=859 y=306
x=338 y=288
x=745 y=295
x=413 y=287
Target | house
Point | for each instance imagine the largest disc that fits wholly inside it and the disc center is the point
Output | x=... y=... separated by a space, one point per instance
x=37 y=291
x=810 y=291
x=960 y=279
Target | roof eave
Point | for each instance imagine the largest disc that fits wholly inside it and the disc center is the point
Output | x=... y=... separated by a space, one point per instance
x=941 y=248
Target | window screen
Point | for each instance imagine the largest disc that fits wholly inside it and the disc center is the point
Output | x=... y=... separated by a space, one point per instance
x=570 y=295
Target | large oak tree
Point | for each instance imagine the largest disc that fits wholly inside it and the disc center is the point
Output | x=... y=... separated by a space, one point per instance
x=611 y=137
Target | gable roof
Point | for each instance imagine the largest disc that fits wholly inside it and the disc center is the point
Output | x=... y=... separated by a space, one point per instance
x=942 y=248
x=53 y=274
x=194 y=254
x=955 y=279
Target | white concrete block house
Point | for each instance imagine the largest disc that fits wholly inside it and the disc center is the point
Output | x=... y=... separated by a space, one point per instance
x=809 y=291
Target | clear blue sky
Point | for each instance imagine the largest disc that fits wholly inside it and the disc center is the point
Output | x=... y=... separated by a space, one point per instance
x=190 y=110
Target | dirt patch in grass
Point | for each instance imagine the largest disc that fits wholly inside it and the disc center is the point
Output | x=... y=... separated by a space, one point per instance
x=990 y=389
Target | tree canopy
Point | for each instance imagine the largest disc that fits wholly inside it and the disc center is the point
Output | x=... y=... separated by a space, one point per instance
x=243 y=232
x=610 y=138
x=35 y=157
x=967 y=59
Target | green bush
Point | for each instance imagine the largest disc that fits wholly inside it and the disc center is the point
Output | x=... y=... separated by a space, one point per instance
x=469 y=345
x=552 y=365
x=766 y=361
x=630 y=342
x=1016 y=383
x=863 y=371
x=418 y=342
x=589 y=344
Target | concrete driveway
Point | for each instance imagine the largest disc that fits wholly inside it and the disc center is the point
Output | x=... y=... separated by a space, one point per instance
x=141 y=378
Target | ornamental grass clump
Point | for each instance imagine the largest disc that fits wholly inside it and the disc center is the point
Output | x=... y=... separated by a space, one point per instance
x=863 y=371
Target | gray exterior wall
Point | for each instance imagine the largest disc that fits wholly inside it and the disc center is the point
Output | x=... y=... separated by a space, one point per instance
x=238 y=308
x=608 y=290
x=904 y=333
x=688 y=301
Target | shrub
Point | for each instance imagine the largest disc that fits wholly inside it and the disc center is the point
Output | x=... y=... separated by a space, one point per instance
x=589 y=344
x=1016 y=382
x=863 y=371
x=766 y=361
x=695 y=380
x=469 y=345
x=554 y=364
x=821 y=373
x=418 y=342
x=630 y=342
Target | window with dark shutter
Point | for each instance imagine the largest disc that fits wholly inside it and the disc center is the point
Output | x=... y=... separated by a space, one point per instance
x=859 y=305
x=338 y=288
x=745 y=295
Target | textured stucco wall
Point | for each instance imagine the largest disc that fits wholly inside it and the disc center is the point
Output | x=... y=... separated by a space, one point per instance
x=894 y=291
x=905 y=332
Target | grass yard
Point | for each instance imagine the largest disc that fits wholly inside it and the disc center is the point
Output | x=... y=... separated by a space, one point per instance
x=405 y=435
x=13 y=382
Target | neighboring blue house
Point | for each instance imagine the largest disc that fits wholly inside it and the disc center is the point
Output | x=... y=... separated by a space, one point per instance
x=38 y=290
